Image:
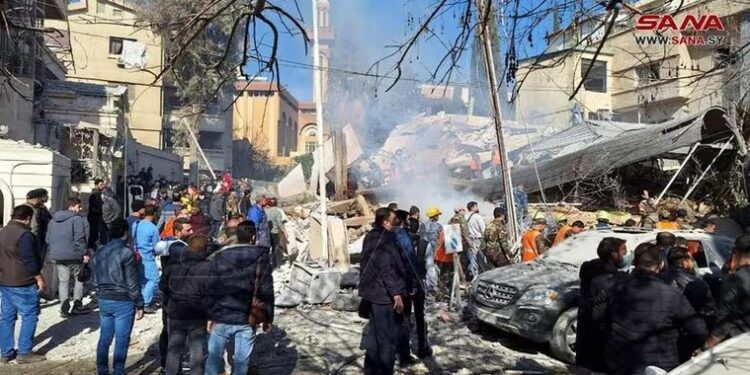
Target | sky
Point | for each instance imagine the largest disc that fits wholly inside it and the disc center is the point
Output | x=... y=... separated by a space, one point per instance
x=368 y=28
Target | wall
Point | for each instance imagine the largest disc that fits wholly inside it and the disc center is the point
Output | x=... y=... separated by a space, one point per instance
x=89 y=39
x=17 y=112
x=24 y=167
x=544 y=95
x=256 y=121
x=684 y=87
x=164 y=163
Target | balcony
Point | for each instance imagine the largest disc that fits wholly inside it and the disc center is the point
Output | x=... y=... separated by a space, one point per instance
x=219 y=123
x=662 y=91
x=215 y=158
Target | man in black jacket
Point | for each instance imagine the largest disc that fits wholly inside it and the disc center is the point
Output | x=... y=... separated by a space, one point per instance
x=120 y=298
x=95 y=212
x=596 y=275
x=733 y=304
x=171 y=248
x=187 y=310
x=645 y=317
x=382 y=286
x=665 y=241
x=681 y=274
x=234 y=271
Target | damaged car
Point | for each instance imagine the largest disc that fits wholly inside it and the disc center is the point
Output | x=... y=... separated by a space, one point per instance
x=538 y=300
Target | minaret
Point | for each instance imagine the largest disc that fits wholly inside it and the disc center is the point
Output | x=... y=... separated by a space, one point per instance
x=326 y=36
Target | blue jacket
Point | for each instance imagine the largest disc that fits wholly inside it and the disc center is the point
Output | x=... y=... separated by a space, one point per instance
x=67 y=236
x=258 y=216
x=145 y=236
x=409 y=253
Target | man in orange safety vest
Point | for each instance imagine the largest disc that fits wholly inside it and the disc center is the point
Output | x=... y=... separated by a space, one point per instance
x=533 y=241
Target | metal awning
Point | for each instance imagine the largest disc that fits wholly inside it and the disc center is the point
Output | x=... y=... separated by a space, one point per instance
x=626 y=148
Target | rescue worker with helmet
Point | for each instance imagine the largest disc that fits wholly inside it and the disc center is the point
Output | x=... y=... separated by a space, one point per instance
x=432 y=234
x=533 y=241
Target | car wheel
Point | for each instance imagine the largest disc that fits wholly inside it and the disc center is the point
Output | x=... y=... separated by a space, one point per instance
x=563 y=343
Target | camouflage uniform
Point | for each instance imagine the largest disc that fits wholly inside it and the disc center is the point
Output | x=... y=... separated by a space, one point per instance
x=461 y=221
x=497 y=248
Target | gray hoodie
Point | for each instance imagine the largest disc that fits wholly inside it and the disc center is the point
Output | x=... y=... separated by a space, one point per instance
x=67 y=236
x=110 y=207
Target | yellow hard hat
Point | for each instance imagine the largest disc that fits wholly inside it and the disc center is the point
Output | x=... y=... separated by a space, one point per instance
x=433 y=211
x=602 y=215
x=561 y=217
x=538 y=216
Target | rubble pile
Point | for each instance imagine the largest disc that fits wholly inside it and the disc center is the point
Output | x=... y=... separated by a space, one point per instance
x=445 y=142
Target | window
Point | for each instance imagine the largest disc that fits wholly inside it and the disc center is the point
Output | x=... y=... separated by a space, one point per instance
x=101 y=8
x=115 y=45
x=310 y=147
x=695 y=248
x=596 y=81
x=648 y=73
x=723 y=57
x=281 y=136
x=210 y=140
x=117 y=12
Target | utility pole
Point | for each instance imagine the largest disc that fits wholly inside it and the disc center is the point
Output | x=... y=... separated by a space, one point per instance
x=318 y=87
x=489 y=62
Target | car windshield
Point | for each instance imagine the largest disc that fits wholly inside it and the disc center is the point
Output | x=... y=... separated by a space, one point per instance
x=582 y=247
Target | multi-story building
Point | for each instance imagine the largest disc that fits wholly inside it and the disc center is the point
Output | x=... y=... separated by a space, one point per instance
x=635 y=79
x=29 y=64
x=266 y=118
x=103 y=43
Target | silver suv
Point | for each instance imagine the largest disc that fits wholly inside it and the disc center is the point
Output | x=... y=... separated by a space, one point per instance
x=538 y=300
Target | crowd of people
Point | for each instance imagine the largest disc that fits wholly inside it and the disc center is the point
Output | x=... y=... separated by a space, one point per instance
x=659 y=314
x=205 y=261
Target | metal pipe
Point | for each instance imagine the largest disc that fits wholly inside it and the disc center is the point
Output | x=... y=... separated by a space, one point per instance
x=489 y=63
x=695 y=184
x=200 y=150
x=674 y=177
x=318 y=87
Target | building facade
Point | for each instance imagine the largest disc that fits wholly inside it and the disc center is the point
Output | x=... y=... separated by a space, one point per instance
x=103 y=44
x=29 y=63
x=265 y=119
x=106 y=46
x=632 y=79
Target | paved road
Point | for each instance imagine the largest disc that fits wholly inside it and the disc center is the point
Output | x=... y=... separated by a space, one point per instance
x=308 y=340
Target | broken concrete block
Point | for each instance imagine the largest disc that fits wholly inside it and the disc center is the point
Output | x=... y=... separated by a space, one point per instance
x=316 y=284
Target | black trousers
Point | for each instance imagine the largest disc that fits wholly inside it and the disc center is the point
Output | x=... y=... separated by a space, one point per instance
x=277 y=258
x=103 y=233
x=194 y=332
x=417 y=302
x=95 y=223
x=163 y=337
x=381 y=347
